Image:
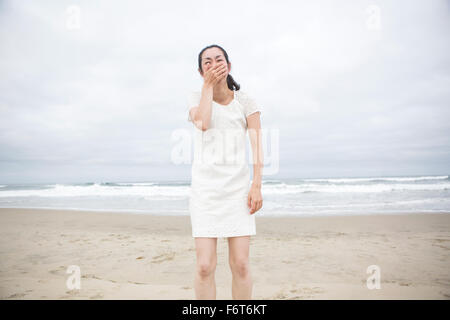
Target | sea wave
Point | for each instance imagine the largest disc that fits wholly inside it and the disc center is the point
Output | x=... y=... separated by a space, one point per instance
x=100 y=189
x=284 y=188
x=378 y=179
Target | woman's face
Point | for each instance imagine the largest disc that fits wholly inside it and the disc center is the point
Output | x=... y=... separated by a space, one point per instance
x=212 y=57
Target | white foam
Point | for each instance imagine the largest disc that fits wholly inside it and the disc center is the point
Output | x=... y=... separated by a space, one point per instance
x=361 y=188
x=350 y=180
x=58 y=190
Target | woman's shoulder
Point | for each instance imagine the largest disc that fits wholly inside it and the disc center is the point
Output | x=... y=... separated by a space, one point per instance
x=244 y=97
x=247 y=102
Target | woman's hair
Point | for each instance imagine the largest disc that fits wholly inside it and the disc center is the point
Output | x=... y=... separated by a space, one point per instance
x=232 y=85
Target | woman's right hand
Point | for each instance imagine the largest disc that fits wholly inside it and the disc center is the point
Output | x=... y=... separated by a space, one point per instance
x=215 y=74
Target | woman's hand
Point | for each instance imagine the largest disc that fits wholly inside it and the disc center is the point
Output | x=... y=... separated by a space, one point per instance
x=254 y=199
x=215 y=74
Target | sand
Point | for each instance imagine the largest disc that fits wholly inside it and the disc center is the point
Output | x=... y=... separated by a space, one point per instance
x=136 y=256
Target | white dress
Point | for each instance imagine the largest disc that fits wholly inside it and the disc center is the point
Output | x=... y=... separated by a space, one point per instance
x=220 y=174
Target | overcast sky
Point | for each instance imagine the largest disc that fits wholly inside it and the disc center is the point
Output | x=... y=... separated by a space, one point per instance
x=94 y=90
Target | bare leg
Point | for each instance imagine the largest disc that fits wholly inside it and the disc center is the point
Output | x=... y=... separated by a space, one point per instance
x=239 y=248
x=205 y=285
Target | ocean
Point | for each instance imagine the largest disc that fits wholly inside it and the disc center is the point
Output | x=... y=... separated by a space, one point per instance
x=287 y=197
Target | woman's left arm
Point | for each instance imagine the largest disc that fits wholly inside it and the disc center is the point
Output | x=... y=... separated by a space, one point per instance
x=254 y=199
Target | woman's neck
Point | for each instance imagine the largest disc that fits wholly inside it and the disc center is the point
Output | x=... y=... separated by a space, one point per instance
x=222 y=92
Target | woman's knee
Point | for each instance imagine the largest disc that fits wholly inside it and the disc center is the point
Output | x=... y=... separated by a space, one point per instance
x=206 y=268
x=240 y=267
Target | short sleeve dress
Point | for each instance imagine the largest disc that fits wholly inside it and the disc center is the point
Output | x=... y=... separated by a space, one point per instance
x=220 y=174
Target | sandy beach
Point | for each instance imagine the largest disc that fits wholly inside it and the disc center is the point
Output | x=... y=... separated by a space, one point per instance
x=136 y=256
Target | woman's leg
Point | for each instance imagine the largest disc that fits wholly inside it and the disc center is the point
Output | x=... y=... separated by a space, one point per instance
x=205 y=285
x=239 y=248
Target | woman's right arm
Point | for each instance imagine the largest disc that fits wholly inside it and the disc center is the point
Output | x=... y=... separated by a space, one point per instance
x=201 y=115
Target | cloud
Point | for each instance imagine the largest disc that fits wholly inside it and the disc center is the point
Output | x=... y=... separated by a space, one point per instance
x=346 y=98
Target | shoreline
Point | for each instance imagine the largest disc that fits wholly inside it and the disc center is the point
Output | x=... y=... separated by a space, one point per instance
x=186 y=213
x=153 y=256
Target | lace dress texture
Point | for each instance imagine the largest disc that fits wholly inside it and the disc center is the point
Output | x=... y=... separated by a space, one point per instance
x=220 y=174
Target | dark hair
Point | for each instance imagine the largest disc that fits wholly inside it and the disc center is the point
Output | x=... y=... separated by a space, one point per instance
x=232 y=85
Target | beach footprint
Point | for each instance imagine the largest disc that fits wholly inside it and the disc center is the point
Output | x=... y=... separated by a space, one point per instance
x=61 y=270
x=97 y=296
x=16 y=296
x=163 y=257
x=299 y=293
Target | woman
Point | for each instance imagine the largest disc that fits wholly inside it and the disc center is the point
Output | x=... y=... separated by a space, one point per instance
x=222 y=203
